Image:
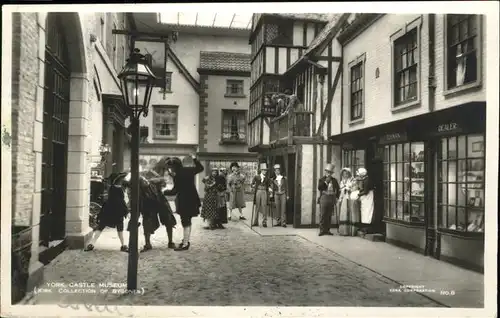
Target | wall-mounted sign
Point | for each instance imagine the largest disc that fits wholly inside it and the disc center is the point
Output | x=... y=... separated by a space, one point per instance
x=447 y=128
x=393 y=137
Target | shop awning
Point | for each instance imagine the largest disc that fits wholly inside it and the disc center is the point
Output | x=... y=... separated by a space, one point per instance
x=107 y=79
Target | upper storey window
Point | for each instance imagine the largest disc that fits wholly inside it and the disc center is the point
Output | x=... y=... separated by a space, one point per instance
x=279 y=32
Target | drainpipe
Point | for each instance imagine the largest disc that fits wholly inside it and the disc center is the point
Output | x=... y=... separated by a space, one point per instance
x=341 y=99
x=432 y=62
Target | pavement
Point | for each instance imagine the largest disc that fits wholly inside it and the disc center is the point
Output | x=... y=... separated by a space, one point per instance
x=240 y=266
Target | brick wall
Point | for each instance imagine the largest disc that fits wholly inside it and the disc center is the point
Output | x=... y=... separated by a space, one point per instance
x=203 y=124
x=24 y=88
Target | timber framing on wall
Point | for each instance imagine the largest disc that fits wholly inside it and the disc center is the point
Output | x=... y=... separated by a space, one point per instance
x=327 y=111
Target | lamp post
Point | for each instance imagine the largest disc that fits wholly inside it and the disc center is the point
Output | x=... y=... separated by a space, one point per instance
x=137 y=82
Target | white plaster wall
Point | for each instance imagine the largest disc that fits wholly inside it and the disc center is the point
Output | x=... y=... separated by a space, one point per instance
x=306 y=193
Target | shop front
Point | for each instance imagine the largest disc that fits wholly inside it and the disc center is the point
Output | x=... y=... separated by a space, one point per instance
x=432 y=171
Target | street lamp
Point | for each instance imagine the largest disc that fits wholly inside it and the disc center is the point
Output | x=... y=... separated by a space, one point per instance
x=137 y=81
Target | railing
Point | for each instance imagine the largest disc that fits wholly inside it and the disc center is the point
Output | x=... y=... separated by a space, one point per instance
x=292 y=124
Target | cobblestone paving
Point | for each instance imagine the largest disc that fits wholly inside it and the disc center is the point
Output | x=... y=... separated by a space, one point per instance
x=228 y=267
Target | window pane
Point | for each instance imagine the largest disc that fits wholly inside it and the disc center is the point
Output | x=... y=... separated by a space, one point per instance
x=461 y=221
x=475 y=146
x=393 y=153
x=393 y=172
x=452 y=218
x=443 y=171
x=462 y=194
x=360 y=155
x=399 y=212
x=386 y=153
x=444 y=193
x=444 y=149
x=387 y=208
x=386 y=172
x=452 y=171
x=399 y=150
x=461 y=147
x=393 y=191
x=418 y=212
x=444 y=216
x=417 y=190
x=399 y=174
x=452 y=148
x=462 y=171
x=418 y=151
x=393 y=210
x=452 y=194
x=406 y=150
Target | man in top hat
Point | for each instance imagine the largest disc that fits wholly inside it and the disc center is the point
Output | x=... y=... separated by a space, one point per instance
x=261 y=185
x=329 y=190
x=280 y=192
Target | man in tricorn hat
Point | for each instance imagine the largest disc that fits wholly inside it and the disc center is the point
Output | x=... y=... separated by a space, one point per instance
x=262 y=186
x=329 y=190
x=280 y=192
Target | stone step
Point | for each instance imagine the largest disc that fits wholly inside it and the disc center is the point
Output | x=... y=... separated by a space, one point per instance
x=376 y=237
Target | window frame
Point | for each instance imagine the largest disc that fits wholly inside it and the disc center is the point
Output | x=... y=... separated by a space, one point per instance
x=407 y=28
x=358 y=60
x=349 y=155
x=239 y=95
x=175 y=109
x=479 y=58
x=244 y=113
x=398 y=183
x=458 y=183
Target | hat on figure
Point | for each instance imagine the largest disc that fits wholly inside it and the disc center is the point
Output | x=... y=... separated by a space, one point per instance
x=263 y=166
x=329 y=167
x=118 y=177
x=277 y=166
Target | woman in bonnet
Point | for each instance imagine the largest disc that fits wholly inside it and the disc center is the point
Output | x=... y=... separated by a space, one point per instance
x=347 y=216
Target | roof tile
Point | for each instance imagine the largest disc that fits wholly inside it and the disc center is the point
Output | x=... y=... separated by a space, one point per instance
x=225 y=61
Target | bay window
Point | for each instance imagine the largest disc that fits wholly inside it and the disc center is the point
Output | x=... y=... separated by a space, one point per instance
x=461 y=166
x=404 y=181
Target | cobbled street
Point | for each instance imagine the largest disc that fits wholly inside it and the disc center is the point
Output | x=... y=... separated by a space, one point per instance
x=235 y=267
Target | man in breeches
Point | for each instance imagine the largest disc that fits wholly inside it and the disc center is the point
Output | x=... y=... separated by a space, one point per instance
x=261 y=184
x=329 y=189
x=280 y=191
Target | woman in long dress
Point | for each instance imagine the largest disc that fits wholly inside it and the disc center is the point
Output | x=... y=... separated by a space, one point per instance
x=365 y=197
x=209 y=207
x=221 y=185
x=235 y=184
x=347 y=218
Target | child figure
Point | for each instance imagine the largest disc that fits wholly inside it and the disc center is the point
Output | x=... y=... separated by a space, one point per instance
x=113 y=213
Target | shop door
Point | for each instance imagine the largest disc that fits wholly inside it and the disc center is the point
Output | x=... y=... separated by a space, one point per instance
x=55 y=135
x=290 y=174
x=375 y=169
x=432 y=239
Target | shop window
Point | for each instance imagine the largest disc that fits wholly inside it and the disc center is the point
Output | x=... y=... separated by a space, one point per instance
x=462 y=50
x=165 y=119
x=404 y=182
x=461 y=164
x=234 y=124
x=234 y=88
x=353 y=159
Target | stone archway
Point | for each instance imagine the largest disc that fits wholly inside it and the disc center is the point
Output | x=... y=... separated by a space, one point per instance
x=68 y=29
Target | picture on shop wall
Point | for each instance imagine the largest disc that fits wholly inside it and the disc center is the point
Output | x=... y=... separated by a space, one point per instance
x=477 y=146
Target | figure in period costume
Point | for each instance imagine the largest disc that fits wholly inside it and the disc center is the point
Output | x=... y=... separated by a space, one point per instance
x=329 y=190
x=221 y=185
x=154 y=208
x=113 y=212
x=187 y=201
x=280 y=193
x=235 y=183
x=209 y=207
x=348 y=218
x=365 y=197
x=262 y=186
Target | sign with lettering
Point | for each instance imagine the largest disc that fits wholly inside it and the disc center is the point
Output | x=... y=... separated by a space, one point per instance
x=447 y=128
x=393 y=137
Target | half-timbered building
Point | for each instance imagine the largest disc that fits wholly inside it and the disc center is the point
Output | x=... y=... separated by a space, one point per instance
x=294 y=87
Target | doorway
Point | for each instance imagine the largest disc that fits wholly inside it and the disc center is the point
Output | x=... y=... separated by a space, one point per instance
x=55 y=134
x=375 y=167
x=290 y=174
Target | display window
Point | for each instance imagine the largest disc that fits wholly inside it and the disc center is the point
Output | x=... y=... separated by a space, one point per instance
x=404 y=182
x=461 y=166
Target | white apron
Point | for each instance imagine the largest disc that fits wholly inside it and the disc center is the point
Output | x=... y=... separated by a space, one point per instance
x=367 y=206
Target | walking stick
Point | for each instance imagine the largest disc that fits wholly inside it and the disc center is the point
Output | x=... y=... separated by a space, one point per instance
x=253 y=210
